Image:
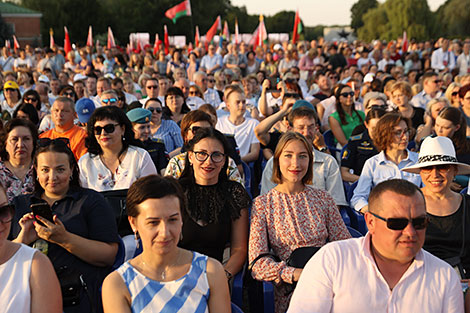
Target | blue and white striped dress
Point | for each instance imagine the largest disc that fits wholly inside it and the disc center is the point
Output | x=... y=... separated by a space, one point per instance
x=188 y=294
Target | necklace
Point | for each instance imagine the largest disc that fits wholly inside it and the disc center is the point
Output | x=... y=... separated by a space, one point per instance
x=163 y=274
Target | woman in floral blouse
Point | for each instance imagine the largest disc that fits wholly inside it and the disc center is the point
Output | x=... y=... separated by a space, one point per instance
x=290 y=216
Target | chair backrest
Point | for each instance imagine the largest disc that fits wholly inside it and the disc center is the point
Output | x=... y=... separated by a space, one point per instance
x=354 y=233
x=247 y=172
x=120 y=255
x=235 y=308
x=464 y=191
x=117 y=200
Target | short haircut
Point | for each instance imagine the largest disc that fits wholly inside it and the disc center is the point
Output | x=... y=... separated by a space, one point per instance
x=403 y=87
x=428 y=75
x=104 y=79
x=398 y=186
x=384 y=135
x=67 y=100
x=109 y=92
x=153 y=187
x=300 y=113
x=230 y=90
x=193 y=117
x=283 y=141
x=463 y=90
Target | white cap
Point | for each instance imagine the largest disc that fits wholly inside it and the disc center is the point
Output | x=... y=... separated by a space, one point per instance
x=43 y=79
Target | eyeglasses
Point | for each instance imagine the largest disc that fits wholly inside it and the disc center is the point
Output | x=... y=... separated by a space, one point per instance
x=437 y=81
x=211 y=81
x=69 y=94
x=10 y=89
x=347 y=94
x=202 y=156
x=6 y=213
x=401 y=132
x=455 y=93
x=400 y=223
x=442 y=168
x=194 y=93
x=32 y=99
x=110 y=100
x=292 y=95
x=158 y=110
x=44 y=142
x=194 y=129
x=152 y=87
x=109 y=129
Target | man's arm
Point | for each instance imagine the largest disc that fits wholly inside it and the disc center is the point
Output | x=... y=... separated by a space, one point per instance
x=262 y=129
x=253 y=154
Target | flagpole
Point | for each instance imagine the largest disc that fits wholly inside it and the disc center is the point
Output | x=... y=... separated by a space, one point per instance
x=192 y=24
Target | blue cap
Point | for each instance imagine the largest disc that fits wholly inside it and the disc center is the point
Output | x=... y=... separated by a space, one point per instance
x=139 y=115
x=302 y=103
x=84 y=108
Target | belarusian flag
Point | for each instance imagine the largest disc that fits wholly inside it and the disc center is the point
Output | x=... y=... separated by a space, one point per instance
x=297 y=27
x=179 y=10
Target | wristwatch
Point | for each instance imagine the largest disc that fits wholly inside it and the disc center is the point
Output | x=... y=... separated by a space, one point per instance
x=324 y=149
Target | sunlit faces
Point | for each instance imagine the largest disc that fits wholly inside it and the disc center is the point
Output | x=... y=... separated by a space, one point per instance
x=109 y=139
x=194 y=128
x=438 y=179
x=156 y=109
x=466 y=100
x=305 y=126
x=62 y=114
x=399 y=98
x=142 y=131
x=445 y=128
x=54 y=172
x=346 y=97
x=152 y=87
x=397 y=245
x=236 y=104
x=436 y=108
x=206 y=172
x=293 y=161
x=19 y=143
x=174 y=103
x=401 y=135
x=109 y=99
x=158 y=224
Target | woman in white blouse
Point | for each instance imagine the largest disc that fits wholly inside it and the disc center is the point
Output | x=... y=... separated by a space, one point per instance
x=114 y=159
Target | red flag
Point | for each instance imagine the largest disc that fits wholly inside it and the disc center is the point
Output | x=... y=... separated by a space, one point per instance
x=89 y=40
x=260 y=34
x=139 y=47
x=67 y=44
x=225 y=32
x=16 y=44
x=237 y=35
x=111 y=42
x=51 y=38
x=213 y=30
x=166 y=40
x=190 y=47
x=295 y=34
x=155 y=45
x=179 y=10
x=197 y=38
x=404 y=47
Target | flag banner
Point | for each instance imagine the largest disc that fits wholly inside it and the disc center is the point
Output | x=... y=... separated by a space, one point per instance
x=89 y=40
x=111 y=42
x=67 y=44
x=213 y=30
x=51 y=38
x=179 y=10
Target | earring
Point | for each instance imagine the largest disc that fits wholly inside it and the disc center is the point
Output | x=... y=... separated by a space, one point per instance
x=123 y=138
x=136 y=238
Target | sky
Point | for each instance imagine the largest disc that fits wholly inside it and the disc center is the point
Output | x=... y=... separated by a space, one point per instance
x=312 y=12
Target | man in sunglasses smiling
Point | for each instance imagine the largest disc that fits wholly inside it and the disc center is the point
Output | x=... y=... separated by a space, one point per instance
x=385 y=271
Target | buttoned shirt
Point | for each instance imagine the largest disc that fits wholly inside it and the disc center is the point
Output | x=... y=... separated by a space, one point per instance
x=463 y=64
x=343 y=277
x=441 y=60
x=326 y=176
x=212 y=96
x=421 y=99
x=170 y=133
x=208 y=62
x=378 y=169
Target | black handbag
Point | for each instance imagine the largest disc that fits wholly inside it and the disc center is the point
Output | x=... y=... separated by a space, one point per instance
x=300 y=256
x=117 y=201
x=70 y=284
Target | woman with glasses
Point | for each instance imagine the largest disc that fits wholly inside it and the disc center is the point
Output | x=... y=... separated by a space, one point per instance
x=217 y=211
x=290 y=216
x=17 y=147
x=69 y=92
x=433 y=108
x=166 y=130
x=190 y=125
x=346 y=118
x=391 y=138
x=464 y=95
x=176 y=106
x=33 y=286
x=452 y=94
x=447 y=234
x=115 y=158
x=73 y=226
x=32 y=96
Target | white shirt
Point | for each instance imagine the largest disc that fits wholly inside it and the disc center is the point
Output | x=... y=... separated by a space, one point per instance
x=463 y=64
x=130 y=98
x=194 y=103
x=441 y=60
x=383 y=63
x=95 y=175
x=212 y=96
x=244 y=133
x=343 y=278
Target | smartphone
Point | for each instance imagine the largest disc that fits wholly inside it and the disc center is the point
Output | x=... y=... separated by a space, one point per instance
x=43 y=210
x=273 y=81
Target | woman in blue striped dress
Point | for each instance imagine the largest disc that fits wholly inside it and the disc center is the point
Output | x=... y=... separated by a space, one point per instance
x=164 y=278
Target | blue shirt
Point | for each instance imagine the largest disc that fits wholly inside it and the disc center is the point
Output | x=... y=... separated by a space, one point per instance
x=208 y=62
x=170 y=133
x=378 y=169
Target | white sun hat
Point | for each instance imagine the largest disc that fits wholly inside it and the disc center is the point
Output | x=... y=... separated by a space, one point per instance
x=437 y=151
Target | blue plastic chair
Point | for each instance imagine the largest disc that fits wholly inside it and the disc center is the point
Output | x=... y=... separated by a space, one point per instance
x=247 y=172
x=464 y=191
x=354 y=233
x=350 y=192
x=235 y=308
x=330 y=141
x=268 y=297
x=345 y=216
x=237 y=287
x=120 y=255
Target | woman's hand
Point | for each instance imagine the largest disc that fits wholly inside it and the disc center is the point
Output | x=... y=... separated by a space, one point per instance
x=27 y=234
x=52 y=232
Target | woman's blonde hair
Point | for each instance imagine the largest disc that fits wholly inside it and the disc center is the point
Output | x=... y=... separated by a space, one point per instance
x=283 y=141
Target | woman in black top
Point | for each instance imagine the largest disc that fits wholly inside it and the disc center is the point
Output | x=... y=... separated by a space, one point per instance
x=217 y=211
x=401 y=96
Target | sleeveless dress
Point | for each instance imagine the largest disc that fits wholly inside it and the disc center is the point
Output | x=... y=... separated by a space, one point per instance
x=15 y=293
x=188 y=294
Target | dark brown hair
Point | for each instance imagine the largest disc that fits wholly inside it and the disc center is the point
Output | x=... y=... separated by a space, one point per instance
x=384 y=135
x=459 y=138
x=9 y=126
x=193 y=117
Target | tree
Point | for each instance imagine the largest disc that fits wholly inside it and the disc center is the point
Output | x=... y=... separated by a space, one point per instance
x=375 y=22
x=454 y=17
x=5 y=31
x=358 y=10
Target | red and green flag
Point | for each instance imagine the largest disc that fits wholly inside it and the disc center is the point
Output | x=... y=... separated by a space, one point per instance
x=298 y=28
x=179 y=10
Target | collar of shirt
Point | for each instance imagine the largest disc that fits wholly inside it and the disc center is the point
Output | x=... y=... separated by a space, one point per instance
x=73 y=193
x=382 y=159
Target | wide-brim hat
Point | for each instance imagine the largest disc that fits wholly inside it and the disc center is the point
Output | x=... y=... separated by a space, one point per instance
x=437 y=151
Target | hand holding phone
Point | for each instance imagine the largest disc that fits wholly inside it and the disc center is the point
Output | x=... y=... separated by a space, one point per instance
x=44 y=210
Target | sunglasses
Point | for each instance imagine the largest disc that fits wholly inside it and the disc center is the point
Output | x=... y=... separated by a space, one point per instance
x=32 y=99
x=108 y=129
x=152 y=87
x=455 y=93
x=44 y=142
x=193 y=93
x=400 y=223
x=158 y=110
x=216 y=157
x=6 y=213
x=347 y=94
x=292 y=95
x=68 y=94
x=443 y=168
x=10 y=89
x=211 y=81
x=110 y=100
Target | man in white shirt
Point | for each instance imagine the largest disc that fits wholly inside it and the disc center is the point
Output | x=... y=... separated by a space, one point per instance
x=151 y=88
x=238 y=125
x=442 y=59
x=210 y=95
x=385 y=271
x=430 y=90
x=386 y=60
x=463 y=61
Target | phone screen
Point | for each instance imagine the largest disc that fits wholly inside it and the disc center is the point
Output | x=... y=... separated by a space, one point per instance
x=43 y=210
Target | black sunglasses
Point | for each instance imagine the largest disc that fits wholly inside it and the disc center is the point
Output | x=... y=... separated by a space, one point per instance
x=346 y=94
x=455 y=93
x=109 y=129
x=292 y=95
x=44 y=142
x=158 y=110
x=399 y=223
x=6 y=213
x=31 y=99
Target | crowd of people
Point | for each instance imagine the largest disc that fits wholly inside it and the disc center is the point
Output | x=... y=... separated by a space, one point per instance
x=151 y=179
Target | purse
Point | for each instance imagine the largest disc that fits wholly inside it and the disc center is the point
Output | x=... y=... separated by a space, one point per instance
x=300 y=256
x=70 y=284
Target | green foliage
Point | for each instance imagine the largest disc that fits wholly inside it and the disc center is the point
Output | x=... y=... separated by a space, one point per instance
x=312 y=33
x=5 y=31
x=454 y=17
x=358 y=10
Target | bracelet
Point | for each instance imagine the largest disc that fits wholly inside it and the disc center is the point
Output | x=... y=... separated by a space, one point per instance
x=228 y=274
